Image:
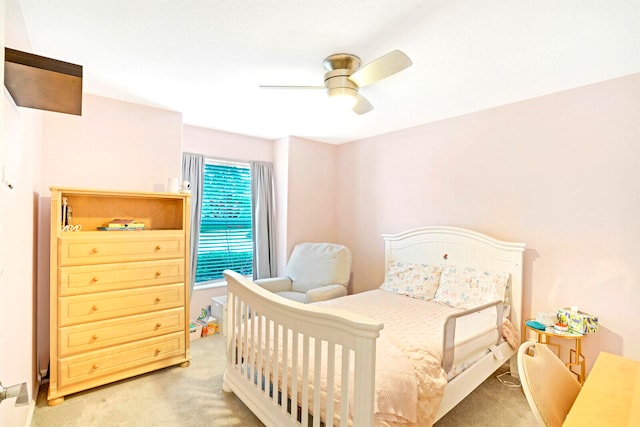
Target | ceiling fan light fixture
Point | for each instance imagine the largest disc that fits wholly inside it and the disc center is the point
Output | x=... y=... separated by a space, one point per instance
x=343 y=97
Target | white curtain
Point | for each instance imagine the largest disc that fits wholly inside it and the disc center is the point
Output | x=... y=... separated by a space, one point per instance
x=264 y=220
x=193 y=171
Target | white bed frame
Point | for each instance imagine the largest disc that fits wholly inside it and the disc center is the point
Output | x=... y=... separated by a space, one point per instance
x=457 y=246
x=355 y=334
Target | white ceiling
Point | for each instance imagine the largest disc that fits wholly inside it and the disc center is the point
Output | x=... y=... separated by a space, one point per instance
x=206 y=58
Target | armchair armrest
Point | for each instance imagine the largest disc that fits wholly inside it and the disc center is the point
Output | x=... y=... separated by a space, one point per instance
x=325 y=292
x=275 y=284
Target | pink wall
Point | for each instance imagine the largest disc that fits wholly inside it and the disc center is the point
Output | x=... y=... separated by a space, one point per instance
x=311 y=192
x=20 y=157
x=305 y=194
x=559 y=173
x=113 y=145
x=224 y=145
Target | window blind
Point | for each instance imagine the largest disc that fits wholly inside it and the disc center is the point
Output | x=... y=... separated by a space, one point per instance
x=225 y=227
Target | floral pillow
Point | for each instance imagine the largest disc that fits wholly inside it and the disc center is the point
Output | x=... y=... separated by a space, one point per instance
x=465 y=287
x=412 y=279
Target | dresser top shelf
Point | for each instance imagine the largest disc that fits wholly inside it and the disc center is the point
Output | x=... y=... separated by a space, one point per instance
x=91 y=208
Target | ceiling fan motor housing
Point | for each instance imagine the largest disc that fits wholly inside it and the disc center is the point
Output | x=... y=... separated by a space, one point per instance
x=341 y=61
x=339 y=67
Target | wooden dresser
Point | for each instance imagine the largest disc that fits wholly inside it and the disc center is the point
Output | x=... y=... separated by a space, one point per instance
x=119 y=299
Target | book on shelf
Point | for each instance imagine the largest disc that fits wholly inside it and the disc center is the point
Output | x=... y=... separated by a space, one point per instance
x=122 y=224
x=119 y=229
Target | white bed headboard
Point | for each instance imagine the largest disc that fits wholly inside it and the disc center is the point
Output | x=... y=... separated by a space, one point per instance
x=443 y=245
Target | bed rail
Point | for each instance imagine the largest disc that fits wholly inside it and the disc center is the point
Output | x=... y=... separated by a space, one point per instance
x=285 y=359
x=449 y=335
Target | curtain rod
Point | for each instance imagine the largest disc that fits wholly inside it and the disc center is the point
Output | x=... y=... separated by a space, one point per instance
x=226 y=159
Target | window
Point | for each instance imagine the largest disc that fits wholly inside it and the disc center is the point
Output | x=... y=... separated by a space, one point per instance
x=225 y=227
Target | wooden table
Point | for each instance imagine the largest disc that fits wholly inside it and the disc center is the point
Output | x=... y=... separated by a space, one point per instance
x=610 y=396
x=576 y=358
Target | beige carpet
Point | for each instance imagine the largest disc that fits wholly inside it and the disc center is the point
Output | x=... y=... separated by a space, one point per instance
x=193 y=396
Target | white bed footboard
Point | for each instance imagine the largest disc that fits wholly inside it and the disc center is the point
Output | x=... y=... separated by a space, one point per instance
x=286 y=360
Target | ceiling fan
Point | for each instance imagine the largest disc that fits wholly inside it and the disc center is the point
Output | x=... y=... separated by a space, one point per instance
x=344 y=77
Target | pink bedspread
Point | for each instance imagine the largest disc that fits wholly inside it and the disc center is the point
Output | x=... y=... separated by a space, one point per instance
x=410 y=381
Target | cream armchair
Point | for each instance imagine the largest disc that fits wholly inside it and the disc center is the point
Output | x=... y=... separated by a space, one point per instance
x=315 y=272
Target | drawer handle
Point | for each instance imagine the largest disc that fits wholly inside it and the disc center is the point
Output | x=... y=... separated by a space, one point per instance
x=94 y=279
x=158 y=274
x=94 y=338
x=94 y=308
x=158 y=325
x=158 y=299
x=157 y=352
x=94 y=250
x=158 y=247
x=95 y=366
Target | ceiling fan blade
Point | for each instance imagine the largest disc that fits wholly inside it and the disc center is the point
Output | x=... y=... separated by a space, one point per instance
x=378 y=69
x=290 y=87
x=362 y=105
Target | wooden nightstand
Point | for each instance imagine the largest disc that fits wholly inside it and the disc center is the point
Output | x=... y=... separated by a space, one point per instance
x=576 y=358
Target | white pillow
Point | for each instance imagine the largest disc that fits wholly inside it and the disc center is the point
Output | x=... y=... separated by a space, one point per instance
x=465 y=287
x=412 y=279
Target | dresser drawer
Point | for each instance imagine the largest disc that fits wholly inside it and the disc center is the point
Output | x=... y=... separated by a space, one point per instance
x=109 y=277
x=92 y=368
x=108 y=305
x=122 y=247
x=105 y=333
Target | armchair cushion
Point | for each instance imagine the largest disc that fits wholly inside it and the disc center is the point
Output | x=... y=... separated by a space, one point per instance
x=312 y=265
